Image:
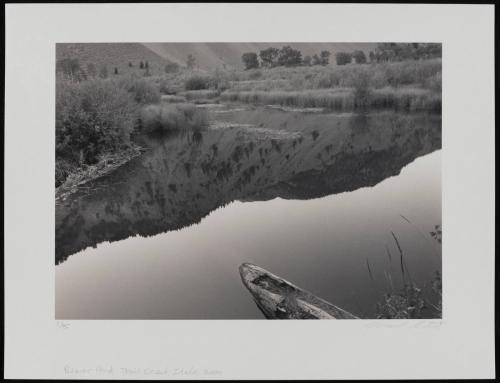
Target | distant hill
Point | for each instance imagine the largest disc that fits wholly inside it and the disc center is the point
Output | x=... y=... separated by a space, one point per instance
x=212 y=55
x=209 y=56
x=113 y=55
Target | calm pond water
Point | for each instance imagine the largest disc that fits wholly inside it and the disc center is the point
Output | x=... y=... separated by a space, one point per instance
x=311 y=197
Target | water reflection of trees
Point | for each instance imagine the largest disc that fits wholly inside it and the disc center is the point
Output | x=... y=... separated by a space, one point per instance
x=181 y=179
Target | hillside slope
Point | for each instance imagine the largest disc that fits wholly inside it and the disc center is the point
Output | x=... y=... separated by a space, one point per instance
x=212 y=55
x=113 y=55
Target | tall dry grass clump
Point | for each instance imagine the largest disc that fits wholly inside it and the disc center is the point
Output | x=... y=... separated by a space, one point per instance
x=413 y=85
x=338 y=99
x=92 y=118
x=379 y=75
x=172 y=117
x=417 y=73
x=217 y=81
x=144 y=91
x=344 y=99
x=406 y=99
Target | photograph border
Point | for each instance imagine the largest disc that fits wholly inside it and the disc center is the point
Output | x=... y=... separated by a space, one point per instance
x=461 y=345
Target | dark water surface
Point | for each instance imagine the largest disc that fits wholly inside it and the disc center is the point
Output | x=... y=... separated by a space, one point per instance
x=312 y=197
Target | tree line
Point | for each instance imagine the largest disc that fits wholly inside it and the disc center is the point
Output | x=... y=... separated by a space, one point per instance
x=405 y=51
x=288 y=56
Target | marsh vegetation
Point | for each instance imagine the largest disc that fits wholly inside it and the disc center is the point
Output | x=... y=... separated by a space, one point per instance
x=99 y=113
x=287 y=162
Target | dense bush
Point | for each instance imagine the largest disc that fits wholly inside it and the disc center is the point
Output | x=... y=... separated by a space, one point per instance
x=172 y=117
x=250 y=60
x=197 y=82
x=219 y=81
x=269 y=56
x=343 y=58
x=165 y=87
x=406 y=51
x=359 y=57
x=288 y=56
x=143 y=91
x=324 y=58
x=92 y=117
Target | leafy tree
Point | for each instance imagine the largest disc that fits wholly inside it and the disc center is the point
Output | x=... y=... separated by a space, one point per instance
x=289 y=56
x=359 y=57
x=307 y=60
x=103 y=72
x=407 y=51
x=343 y=58
x=268 y=56
x=250 y=60
x=324 y=57
x=190 y=61
x=316 y=60
x=429 y=50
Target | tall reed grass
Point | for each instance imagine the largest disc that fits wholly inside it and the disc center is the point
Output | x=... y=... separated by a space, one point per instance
x=203 y=94
x=343 y=99
x=418 y=73
x=172 y=117
x=409 y=301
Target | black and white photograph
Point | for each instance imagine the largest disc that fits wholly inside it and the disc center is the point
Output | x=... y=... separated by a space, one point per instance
x=248 y=180
x=249 y=191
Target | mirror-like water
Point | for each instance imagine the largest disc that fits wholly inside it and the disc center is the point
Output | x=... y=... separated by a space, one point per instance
x=311 y=197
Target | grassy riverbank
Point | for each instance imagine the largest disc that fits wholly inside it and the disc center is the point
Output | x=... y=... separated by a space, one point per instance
x=97 y=120
x=97 y=117
x=344 y=99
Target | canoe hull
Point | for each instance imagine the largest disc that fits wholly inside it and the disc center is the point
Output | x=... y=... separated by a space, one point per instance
x=279 y=299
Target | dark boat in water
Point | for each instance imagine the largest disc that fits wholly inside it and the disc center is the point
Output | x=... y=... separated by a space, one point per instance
x=280 y=299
